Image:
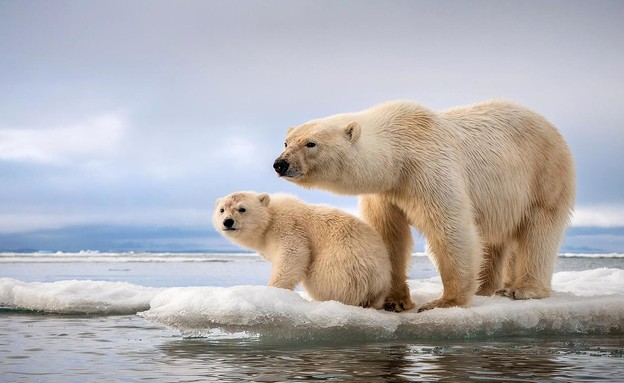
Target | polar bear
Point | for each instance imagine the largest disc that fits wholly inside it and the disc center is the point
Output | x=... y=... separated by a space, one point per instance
x=491 y=186
x=335 y=255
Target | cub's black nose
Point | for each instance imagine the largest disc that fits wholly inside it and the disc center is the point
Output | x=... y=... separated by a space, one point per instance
x=229 y=222
x=281 y=166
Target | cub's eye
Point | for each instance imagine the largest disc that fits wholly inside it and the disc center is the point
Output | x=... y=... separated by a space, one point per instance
x=310 y=145
x=285 y=145
x=242 y=210
x=221 y=211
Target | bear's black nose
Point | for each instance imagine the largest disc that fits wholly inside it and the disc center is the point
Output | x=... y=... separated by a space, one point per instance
x=229 y=222
x=281 y=166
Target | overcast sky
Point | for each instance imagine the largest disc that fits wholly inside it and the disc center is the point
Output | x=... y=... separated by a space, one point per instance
x=142 y=113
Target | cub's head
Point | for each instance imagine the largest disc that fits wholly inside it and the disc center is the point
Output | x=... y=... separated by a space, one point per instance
x=242 y=216
x=319 y=153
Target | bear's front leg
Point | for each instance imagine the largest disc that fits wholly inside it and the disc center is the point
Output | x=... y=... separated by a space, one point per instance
x=454 y=244
x=392 y=224
x=289 y=266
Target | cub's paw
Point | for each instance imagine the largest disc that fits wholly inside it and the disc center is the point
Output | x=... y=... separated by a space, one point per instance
x=398 y=304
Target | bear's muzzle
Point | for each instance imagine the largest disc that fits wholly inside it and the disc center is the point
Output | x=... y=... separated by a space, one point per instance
x=281 y=166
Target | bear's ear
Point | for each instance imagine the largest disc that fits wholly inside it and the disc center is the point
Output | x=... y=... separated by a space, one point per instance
x=218 y=201
x=264 y=199
x=290 y=130
x=353 y=131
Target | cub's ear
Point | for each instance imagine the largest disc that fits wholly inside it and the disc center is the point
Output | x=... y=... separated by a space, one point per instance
x=218 y=201
x=290 y=129
x=264 y=199
x=353 y=131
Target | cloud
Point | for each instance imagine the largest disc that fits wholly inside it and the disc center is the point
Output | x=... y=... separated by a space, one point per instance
x=92 y=138
x=240 y=152
x=208 y=116
x=599 y=216
x=24 y=222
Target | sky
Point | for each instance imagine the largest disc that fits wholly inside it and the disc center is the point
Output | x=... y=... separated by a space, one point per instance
x=121 y=122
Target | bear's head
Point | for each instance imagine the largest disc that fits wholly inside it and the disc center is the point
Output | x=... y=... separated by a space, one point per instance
x=242 y=216
x=319 y=153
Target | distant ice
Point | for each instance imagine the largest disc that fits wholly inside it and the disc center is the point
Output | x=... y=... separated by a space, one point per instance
x=112 y=257
x=89 y=256
x=584 y=302
x=591 y=255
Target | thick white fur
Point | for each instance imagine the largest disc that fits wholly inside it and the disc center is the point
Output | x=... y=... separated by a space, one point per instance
x=333 y=254
x=491 y=186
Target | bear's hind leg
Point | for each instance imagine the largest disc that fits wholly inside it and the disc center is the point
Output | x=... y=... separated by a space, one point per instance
x=492 y=269
x=534 y=263
x=392 y=225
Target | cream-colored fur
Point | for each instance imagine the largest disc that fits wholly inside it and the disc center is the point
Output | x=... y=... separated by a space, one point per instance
x=333 y=254
x=488 y=185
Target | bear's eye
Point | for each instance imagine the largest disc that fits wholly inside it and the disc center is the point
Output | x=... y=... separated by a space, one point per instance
x=221 y=210
x=310 y=145
x=242 y=210
x=285 y=144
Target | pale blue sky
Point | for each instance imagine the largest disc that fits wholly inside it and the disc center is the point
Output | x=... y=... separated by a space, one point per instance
x=141 y=113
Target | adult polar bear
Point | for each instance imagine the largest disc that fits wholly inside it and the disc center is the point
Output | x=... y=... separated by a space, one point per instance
x=491 y=186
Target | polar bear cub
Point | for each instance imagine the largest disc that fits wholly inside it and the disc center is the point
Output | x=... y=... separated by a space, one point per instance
x=334 y=255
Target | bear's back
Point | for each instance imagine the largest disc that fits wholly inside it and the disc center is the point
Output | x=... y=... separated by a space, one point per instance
x=512 y=158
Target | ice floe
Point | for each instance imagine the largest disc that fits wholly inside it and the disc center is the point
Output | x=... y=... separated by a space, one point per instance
x=584 y=302
x=76 y=297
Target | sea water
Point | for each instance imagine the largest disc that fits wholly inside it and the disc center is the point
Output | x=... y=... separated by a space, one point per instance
x=209 y=317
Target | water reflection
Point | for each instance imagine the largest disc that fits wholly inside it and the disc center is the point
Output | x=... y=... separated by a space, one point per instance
x=49 y=348
x=500 y=361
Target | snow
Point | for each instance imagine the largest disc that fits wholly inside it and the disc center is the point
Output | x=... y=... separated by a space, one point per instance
x=584 y=302
x=579 y=305
x=76 y=297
